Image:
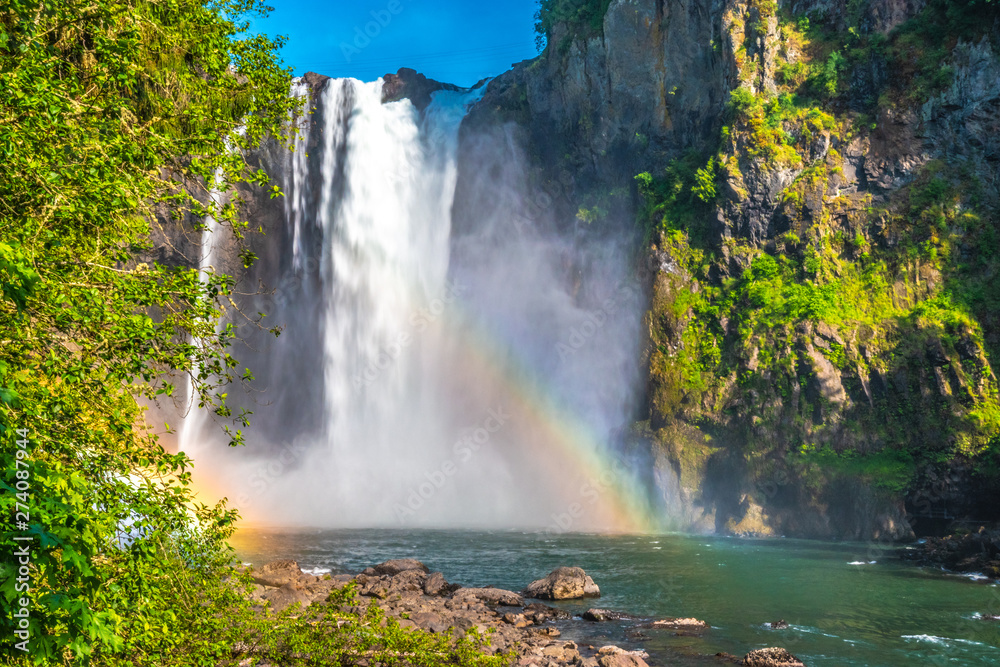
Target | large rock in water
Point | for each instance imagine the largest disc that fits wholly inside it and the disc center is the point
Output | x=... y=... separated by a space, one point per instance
x=563 y=583
x=771 y=657
x=491 y=596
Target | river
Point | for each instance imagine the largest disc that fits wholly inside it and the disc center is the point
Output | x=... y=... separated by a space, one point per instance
x=845 y=603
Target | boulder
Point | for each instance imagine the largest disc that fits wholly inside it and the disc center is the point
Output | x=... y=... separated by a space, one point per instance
x=563 y=583
x=540 y=613
x=771 y=657
x=517 y=620
x=493 y=596
x=392 y=567
x=613 y=656
x=621 y=660
x=284 y=597
x=435 y=584
x=407 y=581
x=320 y=590
x=373 y=586
x=428 y=620
x=598 y=615
x=562 y=653
x=280 y=572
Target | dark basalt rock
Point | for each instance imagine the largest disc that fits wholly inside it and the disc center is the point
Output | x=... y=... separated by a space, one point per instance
x=410 y=84
x=973 y=552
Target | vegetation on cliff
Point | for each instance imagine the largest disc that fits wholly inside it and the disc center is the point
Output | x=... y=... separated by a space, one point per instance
x=576 y=17
x=827 y=321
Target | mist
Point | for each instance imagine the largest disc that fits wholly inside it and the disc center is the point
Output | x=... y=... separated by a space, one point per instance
x=442 y=363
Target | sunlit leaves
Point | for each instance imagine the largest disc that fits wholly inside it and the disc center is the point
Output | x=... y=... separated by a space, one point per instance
x=114 y=112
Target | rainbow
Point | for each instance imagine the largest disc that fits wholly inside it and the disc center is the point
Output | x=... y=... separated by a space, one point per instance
x=619 y=493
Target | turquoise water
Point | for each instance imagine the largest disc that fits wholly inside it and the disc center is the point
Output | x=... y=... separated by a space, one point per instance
x=881 y=613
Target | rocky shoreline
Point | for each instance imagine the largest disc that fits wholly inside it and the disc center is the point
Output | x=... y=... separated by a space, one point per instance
x=969 y=553
x=515 y=622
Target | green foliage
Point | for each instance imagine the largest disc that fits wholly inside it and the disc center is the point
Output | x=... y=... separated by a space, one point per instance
x=775 y=128
x=117 y=115
x=704 y=182
x=743 y=103
x=113 y=112
x=897 y=299
x=591 y=215
x=827 y=78
x=581 y=18
x=676 y=200
x=891 y=470
x=877 y=298
x=337 y=633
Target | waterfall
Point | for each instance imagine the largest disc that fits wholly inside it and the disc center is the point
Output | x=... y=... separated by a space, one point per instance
x=210 y=246
x=410 y=387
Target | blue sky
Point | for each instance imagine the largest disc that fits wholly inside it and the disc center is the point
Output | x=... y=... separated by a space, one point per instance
x=456 y=41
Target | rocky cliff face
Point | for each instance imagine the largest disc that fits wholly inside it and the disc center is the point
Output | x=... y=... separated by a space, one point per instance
x=594 y=110
x=820 y=228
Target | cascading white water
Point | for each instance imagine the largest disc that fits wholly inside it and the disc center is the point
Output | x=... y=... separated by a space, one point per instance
x=296 y=204
x=211 y=243
x=385 y=260
x=398 y=394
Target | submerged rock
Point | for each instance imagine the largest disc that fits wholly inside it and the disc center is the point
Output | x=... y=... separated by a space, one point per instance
x=679 y=624
x=977 y=552
x=771 y=657
x=563 y=583
x=598 y=615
